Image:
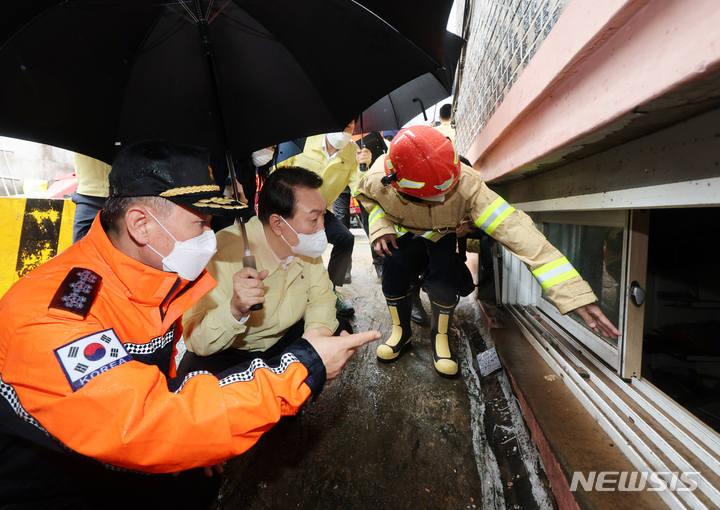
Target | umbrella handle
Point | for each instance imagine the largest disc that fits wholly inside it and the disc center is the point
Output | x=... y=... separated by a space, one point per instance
x=249 y=261
x=421 y=106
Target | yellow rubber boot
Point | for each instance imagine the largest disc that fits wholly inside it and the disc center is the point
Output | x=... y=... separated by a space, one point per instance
x=444 y=360
x=401 y=336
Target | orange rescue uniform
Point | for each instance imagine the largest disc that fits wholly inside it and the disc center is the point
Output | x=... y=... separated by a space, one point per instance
x=87 y=346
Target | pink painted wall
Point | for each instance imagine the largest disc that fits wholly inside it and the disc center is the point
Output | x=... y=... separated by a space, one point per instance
x=601 y=60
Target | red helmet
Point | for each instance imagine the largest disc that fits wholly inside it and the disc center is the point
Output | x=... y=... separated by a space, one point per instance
x=424 y=162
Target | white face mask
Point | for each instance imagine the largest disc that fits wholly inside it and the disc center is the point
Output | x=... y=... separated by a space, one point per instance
x=439 y=198
x=309 y=245
x=262 y=157
x=338 y=140
x=188 y=258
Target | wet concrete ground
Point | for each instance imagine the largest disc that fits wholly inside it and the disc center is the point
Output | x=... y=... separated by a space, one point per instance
x=395 y=435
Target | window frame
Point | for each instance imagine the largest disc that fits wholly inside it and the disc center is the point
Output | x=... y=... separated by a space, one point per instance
x=609 y=353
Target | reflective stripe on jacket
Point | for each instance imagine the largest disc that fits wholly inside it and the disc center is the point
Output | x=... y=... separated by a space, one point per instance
x=391 y=213
x=104 y=385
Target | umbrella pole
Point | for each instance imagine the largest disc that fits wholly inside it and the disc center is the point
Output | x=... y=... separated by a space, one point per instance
x=248 y=259
x=363 y=166
x=210 y=57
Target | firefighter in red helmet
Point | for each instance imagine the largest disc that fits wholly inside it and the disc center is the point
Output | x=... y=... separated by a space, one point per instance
x=425 y=167
x=421 y=188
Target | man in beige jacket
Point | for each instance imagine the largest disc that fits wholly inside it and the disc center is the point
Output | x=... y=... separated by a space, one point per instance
x=287 y=239
x=445 y=127
x=91 y=193
x=420 y=188
x=335 y=158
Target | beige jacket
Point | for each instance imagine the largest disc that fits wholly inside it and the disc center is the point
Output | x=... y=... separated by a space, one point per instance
x=390 y=213
x=339 y=172
x=304 y=291
x=92 y=176
x=447 y=130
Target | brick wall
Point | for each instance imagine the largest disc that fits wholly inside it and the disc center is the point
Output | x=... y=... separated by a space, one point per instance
x=503 y=36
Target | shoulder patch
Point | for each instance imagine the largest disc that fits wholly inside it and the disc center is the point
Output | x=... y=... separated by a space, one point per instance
x=77 y=292
x=85 y=358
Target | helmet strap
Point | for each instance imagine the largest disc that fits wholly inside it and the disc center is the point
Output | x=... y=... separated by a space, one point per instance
x=388 y=179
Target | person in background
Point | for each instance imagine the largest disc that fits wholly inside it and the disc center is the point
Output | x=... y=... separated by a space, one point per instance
x=335 y=158
x=421 y=188
x=445 y=127
x=92 y=413
x=253 y=172
x=341 y=210
x=287 y=239
x=92 y=190
x=250 y=174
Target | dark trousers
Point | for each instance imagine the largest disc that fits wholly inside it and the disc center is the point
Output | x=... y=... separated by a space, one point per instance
x=221 y=361
x=33 y=477
x=86 y=208
x=343 y=242
x=341 y=207
x=341 y=210
x=377 y=260
x=401 y=270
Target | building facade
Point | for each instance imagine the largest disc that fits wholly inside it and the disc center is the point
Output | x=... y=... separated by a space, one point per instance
x=601 y=120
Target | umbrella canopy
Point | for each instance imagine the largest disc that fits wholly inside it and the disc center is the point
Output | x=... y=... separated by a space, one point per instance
x=287 y=150
x=92 y=76
x=403 y=104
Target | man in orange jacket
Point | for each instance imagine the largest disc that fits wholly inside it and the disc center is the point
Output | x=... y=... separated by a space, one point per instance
x=91 y=403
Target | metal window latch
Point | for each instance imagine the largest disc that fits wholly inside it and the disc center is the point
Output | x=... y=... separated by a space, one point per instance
x=637 y=294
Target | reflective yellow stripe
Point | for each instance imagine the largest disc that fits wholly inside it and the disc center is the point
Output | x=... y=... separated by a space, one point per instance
x=355 y=193
x=494 y=215
x=555 y=272
x=376 y=214
x=400 y=231
x=405 y=183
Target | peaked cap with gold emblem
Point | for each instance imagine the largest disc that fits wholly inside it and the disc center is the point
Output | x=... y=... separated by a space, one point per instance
x=180 y=173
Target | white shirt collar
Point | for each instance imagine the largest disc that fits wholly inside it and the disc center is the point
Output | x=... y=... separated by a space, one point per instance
x=324 y=146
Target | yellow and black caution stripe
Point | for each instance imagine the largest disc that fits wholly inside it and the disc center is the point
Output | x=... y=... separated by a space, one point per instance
x=32 y=231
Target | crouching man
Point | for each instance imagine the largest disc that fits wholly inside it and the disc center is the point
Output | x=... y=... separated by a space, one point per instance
x=91 y=405
x=287 y=239
x=420 y=188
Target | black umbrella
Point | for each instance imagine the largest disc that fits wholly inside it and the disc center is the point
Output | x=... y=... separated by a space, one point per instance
x=287 y=150
x=92 y=76
x=403 y=104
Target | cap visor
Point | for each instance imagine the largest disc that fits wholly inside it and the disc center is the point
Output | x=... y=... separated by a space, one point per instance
x=216 y=206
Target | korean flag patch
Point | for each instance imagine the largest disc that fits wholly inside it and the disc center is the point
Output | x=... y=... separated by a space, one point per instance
x=86 y=358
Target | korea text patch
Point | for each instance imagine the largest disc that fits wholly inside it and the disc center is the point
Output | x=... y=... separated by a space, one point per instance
x=86 y=358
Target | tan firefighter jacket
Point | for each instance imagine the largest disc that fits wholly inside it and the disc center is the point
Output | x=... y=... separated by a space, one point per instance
x=390 y=213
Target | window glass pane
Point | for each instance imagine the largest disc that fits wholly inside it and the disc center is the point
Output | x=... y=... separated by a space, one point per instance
x=596 y=252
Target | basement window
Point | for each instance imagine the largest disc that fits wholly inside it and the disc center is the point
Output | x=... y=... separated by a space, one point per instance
x=595 y=244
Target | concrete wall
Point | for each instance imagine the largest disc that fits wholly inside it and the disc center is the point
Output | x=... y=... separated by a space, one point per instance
x=600 y=64
x=502 y=39
x=29 y=160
